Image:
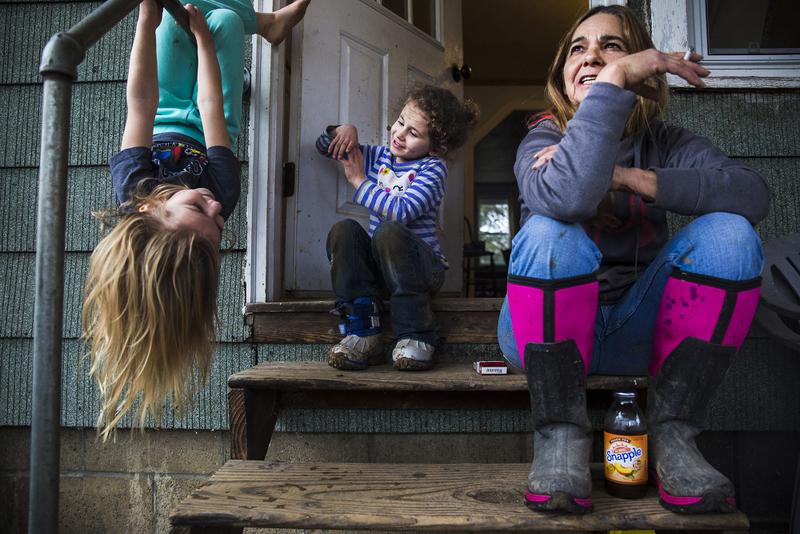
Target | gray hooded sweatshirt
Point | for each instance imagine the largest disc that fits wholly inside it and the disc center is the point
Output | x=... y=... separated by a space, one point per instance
x=694 y=178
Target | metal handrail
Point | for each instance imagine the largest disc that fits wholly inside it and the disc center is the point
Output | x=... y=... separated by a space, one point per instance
x=59 y=67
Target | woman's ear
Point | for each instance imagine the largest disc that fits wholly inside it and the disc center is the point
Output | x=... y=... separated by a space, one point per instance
x=145 y=207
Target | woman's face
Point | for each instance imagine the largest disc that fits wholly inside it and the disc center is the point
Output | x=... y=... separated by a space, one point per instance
x=596 y=42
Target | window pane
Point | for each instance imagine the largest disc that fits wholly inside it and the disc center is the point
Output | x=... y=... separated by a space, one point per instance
x=494 y=230
x=396 y=6
x=753 y=26
x=424 y=16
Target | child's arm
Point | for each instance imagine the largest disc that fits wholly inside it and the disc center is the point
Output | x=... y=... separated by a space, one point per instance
x=209 y=82
x=345 y=139
x=354 y=167
x=142 y=86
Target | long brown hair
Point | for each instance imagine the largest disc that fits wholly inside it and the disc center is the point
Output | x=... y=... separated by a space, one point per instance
x=636 y=39
x=150 y=310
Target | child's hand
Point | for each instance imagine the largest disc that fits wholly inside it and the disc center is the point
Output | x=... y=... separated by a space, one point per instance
x=150 y=13
x=544 y=155
x=346 y=140
x=197 y=22
x=354 y=167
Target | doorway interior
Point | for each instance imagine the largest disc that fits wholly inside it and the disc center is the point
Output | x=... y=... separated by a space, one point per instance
x=509 y=52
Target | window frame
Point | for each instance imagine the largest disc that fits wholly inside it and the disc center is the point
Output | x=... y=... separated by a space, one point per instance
x=500 y=191
x=438 y=27
x=678 y=24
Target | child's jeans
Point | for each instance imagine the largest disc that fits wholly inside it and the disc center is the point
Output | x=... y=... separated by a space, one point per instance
x=721 y=245
x=395 y=263
x=177 y=75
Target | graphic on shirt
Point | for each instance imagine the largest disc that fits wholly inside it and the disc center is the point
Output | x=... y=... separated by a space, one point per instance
x=173 y=159
x=393 y=183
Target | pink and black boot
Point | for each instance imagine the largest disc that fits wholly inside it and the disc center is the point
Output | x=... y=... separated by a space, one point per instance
x=553 y=323
x=700 y=326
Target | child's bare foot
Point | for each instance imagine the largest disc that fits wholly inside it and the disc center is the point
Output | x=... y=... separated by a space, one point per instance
x=275 y=26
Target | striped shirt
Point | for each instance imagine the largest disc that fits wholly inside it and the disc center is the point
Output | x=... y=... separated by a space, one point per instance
x=409 y=193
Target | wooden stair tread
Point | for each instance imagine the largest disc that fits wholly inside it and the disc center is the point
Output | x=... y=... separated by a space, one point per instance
x=470 y=497
x=438 y=304
x=443 y=377
x=462 y=320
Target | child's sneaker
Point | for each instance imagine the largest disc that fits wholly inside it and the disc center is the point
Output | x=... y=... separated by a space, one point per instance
x=362 y=345
x=355 y=353
x=412 y=355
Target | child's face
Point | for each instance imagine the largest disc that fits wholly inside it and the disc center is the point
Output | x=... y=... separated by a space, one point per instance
x=410 y=140
x=196 y=209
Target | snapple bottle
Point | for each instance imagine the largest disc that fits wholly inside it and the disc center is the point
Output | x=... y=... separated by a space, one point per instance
x=625 y=450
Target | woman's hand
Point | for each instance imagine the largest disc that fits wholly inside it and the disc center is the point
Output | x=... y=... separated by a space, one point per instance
x=345 y=142
x=544 y=155
x=630 y=72
x=636 y=182
x=354 y=167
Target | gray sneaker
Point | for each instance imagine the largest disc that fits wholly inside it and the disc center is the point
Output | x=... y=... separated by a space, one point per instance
x=412 y=355
x=354 y=353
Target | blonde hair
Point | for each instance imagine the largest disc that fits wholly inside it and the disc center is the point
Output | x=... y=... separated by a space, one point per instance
x=636 y=39
x=150 y=310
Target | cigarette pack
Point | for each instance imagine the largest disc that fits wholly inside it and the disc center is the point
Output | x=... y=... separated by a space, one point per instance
x=491 y=368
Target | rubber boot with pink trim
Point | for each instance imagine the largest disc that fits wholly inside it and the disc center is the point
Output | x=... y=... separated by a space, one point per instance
x=700 y=326
x=553 y=323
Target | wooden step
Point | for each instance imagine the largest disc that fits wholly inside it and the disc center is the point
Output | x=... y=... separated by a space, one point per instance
x=304 y=321
x=468 y=497
x=449 y=377
x=257 y=395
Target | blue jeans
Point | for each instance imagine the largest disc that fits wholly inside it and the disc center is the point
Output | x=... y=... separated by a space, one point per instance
x=721 y=245
x=396 y=264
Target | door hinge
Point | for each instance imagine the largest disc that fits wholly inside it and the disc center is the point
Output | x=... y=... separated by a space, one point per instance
x=288 y=179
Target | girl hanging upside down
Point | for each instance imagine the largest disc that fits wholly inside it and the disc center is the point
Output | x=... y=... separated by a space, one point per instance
x=151 y=294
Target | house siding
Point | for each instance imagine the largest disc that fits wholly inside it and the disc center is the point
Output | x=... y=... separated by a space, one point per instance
x=760 y=127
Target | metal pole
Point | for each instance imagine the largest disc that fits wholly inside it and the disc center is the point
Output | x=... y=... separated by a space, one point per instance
x=60 y=59
x=47 y=323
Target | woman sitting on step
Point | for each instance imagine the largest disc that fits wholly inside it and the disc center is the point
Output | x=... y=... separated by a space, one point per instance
x=597 y=286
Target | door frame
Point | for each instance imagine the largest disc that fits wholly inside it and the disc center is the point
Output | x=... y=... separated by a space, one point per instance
x=264 y=258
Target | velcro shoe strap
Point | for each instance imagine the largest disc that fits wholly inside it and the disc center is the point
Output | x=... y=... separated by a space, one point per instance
x=361 y=326
x=356 y=310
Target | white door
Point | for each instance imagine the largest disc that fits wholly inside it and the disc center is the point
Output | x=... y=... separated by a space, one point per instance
x=350 y=66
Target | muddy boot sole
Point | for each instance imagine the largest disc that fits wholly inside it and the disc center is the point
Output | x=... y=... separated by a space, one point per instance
x=560 y=502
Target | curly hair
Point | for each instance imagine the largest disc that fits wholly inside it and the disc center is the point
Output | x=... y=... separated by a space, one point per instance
x=449 y=120
x=150 y=310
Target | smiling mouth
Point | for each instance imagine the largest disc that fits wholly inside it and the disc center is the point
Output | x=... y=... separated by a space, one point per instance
x=588 y=80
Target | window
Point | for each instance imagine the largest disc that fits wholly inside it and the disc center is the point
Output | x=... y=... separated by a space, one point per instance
x=420 y=13
x=746 y=43
x=498 y=216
